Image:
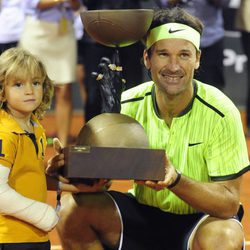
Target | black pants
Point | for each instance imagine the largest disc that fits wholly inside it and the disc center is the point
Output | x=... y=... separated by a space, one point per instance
x=149 y=228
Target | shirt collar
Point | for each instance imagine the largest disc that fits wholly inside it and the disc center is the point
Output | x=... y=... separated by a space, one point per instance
x=185 y=111
x=9 y=124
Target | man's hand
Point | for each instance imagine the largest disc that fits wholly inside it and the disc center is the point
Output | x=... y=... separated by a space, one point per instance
x=170 y=178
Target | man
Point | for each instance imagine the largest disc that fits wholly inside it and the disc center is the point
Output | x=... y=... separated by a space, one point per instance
x=196 y=205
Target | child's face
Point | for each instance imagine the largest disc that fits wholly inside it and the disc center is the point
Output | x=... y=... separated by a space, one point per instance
x=23 y=96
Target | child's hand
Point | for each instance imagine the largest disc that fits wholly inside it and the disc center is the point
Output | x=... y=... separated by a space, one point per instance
x=57 y=161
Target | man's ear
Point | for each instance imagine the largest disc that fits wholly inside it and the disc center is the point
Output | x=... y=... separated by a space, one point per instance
x=198 y=57
x=146 y=59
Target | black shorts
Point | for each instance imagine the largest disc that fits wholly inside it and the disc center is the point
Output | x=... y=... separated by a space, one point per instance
x=149 y=228
x=26 y=246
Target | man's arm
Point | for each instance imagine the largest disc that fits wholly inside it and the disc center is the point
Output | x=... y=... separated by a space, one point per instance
x=219 y=199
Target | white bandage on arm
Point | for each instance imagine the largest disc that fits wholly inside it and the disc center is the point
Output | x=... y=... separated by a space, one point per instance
x=39 y=214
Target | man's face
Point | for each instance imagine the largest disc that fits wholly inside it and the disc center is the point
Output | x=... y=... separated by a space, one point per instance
x=172 y=64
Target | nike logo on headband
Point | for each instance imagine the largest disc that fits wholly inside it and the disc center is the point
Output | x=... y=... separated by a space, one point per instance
x=173 y=31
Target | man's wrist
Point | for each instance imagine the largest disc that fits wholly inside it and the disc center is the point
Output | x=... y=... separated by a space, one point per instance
x=177 y=180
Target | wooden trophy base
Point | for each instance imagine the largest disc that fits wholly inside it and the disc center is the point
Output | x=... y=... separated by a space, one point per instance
x=114 y=163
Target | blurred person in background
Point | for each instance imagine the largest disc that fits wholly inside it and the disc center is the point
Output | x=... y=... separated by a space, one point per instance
x=80 y=69
x=11 y=23
x=49 y=34
x=212 y=44
x=242 y=23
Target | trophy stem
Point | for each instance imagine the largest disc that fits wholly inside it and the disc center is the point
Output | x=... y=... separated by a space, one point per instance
x=116 y=57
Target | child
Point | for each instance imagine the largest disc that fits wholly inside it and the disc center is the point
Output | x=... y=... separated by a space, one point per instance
x=25 y=93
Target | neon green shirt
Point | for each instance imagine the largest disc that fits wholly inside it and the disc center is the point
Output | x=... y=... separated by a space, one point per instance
x=206 y=142
x=27 y=176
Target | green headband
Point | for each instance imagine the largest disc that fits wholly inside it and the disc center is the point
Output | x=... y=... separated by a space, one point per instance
x=173 y=30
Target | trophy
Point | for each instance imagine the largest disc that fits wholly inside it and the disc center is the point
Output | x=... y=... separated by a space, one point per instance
x=112 y=145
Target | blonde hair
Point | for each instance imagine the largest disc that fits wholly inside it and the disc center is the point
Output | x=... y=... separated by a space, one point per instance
x=16 y=63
